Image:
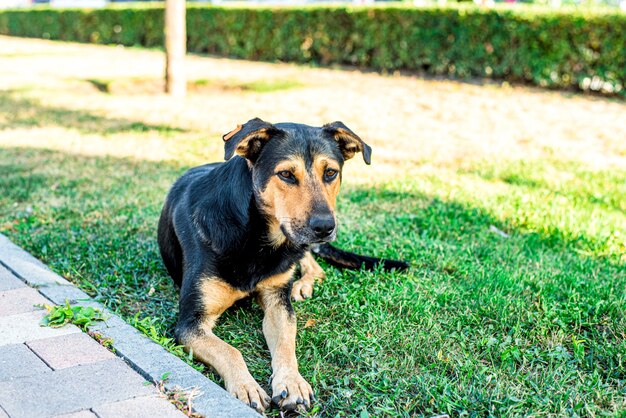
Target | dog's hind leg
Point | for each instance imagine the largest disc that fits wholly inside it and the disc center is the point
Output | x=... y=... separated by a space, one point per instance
x=289 y=389
x=169 y=246
x=195 y=332
x=311 y=273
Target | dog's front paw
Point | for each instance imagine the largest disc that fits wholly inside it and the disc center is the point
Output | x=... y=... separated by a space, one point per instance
x=302 y=289
x=290 y=391
x=250 y=393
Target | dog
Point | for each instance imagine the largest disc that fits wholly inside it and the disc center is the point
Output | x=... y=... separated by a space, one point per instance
x=240 y=228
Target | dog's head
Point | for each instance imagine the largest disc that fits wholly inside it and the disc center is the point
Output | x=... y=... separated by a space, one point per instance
x=296 y=173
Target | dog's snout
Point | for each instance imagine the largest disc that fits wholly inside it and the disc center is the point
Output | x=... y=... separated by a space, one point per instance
x=323 y=225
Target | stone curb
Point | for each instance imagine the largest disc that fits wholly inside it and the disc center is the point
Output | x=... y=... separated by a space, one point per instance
x=144 y=355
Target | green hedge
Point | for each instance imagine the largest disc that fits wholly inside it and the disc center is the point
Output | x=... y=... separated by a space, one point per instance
x=564 y=49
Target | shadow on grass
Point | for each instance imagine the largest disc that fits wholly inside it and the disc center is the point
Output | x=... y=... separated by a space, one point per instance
x=473 y=308
x=29 y=113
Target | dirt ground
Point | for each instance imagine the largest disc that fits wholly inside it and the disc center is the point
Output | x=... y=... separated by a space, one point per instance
x=410 y=122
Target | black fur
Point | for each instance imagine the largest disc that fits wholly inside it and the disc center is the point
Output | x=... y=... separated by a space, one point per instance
x=212 y=223
x=343 y=259
x=211 y=209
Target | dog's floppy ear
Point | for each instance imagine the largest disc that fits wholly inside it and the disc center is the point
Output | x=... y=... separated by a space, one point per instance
x=248 y=139
x=349 y=142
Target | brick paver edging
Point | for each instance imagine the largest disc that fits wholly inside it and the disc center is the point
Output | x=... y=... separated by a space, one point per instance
x=144 y=355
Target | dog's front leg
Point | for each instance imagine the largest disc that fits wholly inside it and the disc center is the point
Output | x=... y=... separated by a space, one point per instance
x=195 y=332
x=289 y=389
x=311 y=273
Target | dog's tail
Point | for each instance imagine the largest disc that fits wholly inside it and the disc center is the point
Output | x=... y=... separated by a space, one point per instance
x=344 y=259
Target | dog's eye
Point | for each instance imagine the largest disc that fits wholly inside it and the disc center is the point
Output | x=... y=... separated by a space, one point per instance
x=287 y=176
x=330 y=174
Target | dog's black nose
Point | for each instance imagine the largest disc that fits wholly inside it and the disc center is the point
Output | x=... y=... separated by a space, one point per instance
x=323 y=225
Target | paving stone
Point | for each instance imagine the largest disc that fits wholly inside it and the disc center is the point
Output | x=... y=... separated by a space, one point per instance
x=142 y=353
x=152 y=361
x=27 y=267
x=69 y=350
x=20 y=300
x=142 y=407
x=146 y=357
x=24 y=327
x=8 y=280
x=72 y=389
x=59 y=293
x=16 y=360
x=212 y=401
x=111 y=321
x=79 y=414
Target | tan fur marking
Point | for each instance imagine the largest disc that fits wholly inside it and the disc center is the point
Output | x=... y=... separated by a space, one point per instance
x=294 y=202
x=217 y=295
x=275 y=236
x=290 y=204
x=244 y=145
x=287 y=203
x=330 y=190
x=310 y=267
x=279 y=328
x=352 y=144
x=276 y=282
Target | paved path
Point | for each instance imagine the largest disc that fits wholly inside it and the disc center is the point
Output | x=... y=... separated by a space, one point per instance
x=63 y=372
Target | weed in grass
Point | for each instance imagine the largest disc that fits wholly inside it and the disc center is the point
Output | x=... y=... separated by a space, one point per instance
x=61 y=315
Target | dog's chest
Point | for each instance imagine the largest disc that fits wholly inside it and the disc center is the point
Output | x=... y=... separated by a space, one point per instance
x=249 y=265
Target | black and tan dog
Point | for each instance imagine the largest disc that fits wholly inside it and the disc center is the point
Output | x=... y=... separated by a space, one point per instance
x=239 y=228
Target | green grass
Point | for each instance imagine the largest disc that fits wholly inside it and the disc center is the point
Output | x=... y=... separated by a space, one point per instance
x=258 y=86
x=481 y=324
x=268 y=86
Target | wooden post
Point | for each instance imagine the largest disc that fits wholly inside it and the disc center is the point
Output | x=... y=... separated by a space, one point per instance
x=175 y=48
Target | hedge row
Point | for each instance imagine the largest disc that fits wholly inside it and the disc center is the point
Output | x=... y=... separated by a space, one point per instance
x=582 y=50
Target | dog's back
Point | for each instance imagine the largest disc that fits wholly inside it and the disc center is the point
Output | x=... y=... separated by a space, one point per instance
x=170 y=248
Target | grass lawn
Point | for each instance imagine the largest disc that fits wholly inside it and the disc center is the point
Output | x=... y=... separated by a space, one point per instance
x=509 y=203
